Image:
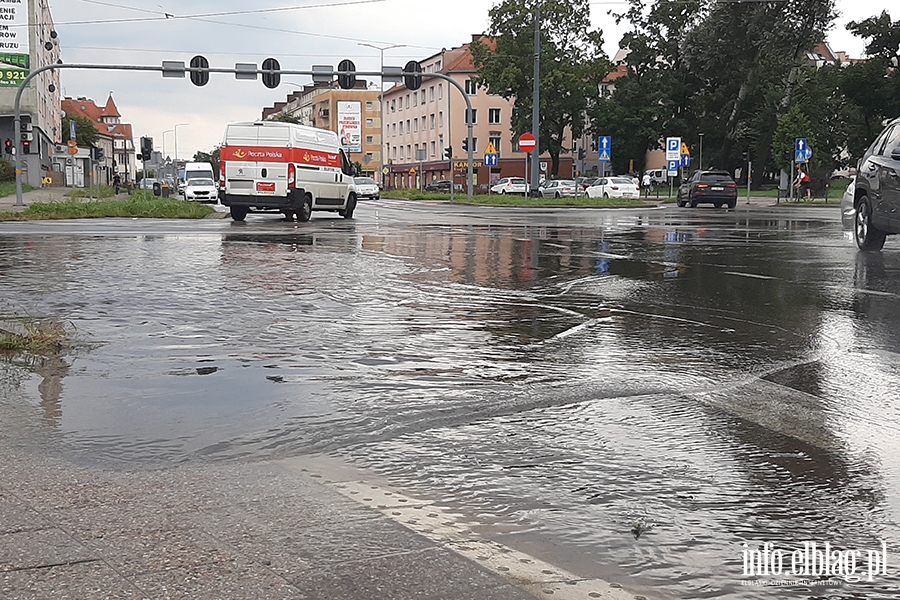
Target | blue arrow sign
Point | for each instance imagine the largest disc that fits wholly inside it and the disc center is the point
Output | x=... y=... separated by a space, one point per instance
x=802 y=151
x=490 y=160
x=604 y=148
x=685 y=160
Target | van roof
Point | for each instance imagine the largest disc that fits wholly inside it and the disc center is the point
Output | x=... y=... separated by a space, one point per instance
x=278 y=133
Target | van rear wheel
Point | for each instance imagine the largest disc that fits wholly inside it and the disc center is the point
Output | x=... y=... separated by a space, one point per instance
x=238 y=213
x=305 y=211
x=351 y=206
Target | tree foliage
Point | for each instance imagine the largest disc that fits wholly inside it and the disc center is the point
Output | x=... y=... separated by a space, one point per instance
x=85 y=132
x=286 y=118
x=209 y=157
x=572 y=65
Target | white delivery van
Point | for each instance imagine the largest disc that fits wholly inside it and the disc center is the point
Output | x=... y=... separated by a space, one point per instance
x=195 y=170
x=275 y=166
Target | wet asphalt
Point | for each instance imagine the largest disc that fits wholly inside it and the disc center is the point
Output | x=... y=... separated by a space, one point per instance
x=627 y=395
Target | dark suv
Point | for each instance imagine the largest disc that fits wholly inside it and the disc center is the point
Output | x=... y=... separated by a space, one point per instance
x=439 y=185
x=877 y=195
x=711 y=187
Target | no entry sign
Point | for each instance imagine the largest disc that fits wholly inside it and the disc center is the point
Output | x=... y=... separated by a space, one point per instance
x=527 y=142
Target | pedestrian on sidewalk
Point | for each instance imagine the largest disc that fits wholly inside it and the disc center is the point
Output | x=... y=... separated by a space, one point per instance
x=117 y=183
x=647 y=184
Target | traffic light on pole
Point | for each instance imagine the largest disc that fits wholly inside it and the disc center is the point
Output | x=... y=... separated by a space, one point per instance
x=8 y=146
x=348 y=80
x=465 y=144
x=26 y=147
x=413 y=80
x=200 y=76
x=448 y=152
x=146 y=148
x=273 y=79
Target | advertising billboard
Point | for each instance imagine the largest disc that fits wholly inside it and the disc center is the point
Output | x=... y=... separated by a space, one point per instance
x=350 y=125
x=14 y=53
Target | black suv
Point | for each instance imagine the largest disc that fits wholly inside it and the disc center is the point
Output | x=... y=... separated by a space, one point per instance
x=876 y=200
x=711 y=187
x=440 y=185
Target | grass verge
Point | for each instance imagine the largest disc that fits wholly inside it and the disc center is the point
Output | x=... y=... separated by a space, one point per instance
x=141 y=204
x=8 y=188
x=35 y=336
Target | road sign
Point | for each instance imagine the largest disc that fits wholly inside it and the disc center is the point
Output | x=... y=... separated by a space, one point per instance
x=802 y=151
x=672 y=167
x=385 y=170
x=490 y=149
x=685 y=160
x=684 y=150
x=604 y=148
x=527 y=142
x=673 y=149
x=490 y=160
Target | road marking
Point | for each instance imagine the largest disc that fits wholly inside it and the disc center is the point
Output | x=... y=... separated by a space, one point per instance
x=452 y=531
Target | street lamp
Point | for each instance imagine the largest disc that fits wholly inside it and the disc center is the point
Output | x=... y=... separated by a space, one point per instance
x=177 y=125
x=381 y=50
x=164 y=140
x=701 y=151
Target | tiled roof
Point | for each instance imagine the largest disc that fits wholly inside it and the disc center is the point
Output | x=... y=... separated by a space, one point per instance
x=85 y=107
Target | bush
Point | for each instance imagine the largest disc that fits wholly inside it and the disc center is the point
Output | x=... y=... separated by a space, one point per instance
x=7 y=171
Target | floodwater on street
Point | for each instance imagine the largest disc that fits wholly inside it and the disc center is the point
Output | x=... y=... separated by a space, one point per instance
x=629 y=394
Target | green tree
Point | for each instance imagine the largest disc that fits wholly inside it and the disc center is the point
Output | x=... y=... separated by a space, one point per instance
x=285 y=118
x=210 y=157
x=85 y=132
x=572 y=66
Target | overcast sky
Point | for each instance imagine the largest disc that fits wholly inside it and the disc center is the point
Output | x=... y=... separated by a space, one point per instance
x=321 y=32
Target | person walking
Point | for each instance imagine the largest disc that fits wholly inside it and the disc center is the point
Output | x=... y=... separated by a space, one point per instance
x=117 y=183
x=647 y=184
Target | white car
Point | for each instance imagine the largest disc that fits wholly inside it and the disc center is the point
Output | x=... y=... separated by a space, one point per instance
x=510 y=185
x=366 y=188
x=613 y=187
x=200 y=190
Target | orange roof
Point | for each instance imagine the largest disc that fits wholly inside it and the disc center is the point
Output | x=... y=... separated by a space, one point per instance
x=85 y=107
x=621 y=71
x=110 y=109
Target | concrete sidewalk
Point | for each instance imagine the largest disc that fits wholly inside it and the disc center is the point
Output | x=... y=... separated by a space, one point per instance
x=48 y=194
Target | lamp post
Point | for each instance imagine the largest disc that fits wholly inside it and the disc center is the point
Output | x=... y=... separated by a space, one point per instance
x=381 y=50
x=701 y=151
x=177 y=125
x=164 y=140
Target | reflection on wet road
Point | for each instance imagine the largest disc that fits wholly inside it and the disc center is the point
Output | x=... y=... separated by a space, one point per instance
x=634 y=393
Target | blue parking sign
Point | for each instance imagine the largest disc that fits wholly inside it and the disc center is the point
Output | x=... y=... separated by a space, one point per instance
x=672 y=167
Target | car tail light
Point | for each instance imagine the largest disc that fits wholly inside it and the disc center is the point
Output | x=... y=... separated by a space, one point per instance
x=614 y=187
x=292 y=176
x=702 y=185
x=731 y=185
x=222 y=173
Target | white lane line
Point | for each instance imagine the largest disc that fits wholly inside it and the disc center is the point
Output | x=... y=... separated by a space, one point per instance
x=452 y=531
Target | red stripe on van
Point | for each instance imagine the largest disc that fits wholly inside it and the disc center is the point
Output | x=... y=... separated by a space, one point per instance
x=286 y=155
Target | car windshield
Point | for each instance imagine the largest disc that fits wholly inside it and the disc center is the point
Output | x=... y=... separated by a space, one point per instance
x=364 y=181
x=622 y=181
x=566 y=182
x=196 y=182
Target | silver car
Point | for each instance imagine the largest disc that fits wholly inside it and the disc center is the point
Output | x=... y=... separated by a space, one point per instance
x=366 y=187
x=559 y=188
x=848 y=212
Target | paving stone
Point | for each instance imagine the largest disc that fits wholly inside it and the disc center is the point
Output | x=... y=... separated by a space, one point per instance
x=81 y=581
x=31 y=549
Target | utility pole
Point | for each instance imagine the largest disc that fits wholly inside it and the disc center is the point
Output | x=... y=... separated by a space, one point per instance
x=536 y=101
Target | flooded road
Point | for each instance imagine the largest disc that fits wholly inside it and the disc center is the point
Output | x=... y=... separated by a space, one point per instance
x=631 y=394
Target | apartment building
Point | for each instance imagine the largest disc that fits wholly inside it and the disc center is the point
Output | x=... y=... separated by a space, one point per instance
x=28 y=41
x=115 y=138
x=420 y=124
x=353 y=114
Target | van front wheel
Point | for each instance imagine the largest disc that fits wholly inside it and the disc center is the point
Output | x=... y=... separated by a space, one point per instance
x=347 y=213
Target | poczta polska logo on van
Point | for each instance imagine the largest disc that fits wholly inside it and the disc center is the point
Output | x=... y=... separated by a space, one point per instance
x=240 y=154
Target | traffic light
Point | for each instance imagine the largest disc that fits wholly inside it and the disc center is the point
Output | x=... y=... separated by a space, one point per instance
x=347 y=82
x=8 y=146
x=448 y=152
x=146 y=148
x=271 y=80
x=26 y=147
x=465 y=144
x=199 y=78
x=581 y=154
x=413 y=81
x=99 y=154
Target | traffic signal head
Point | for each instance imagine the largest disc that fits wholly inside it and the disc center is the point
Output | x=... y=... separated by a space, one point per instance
x=271 y=80
x=413 y=79
x=348 y=81
x=201 y=77
x=581 y=154
x=466 y=144
x=146 y=148
x=26 y=147
x=101 y=154
x=448 y=152
x=8 y=146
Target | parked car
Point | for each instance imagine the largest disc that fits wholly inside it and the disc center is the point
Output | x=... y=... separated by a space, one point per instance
x=200 y=189
x=439 y=185
x=848 y=212
x=585 y=182
x=877 y=190
x=366 y=188
x=510 y=185
x=558 y=188
x=658 y=176
x=613 y=187
x=710 y=187
x=147 y=183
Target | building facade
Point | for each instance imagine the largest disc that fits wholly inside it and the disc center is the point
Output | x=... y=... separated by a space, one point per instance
x=115 y=138
x=353 y=114
x=29 y=41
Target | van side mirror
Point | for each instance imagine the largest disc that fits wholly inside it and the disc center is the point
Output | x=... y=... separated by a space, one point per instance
x=895 y=153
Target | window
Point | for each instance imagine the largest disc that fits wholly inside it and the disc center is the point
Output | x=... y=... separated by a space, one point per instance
x=370 y=139
x=401 y=127
x=471 y=88
x=472 y=117
x=431 y=94
x=495 y=140
x=409 y=151
x=408 y=128
x=370 y=123
x=432 y=120
x=423 y=123
x=407 y=101
x=394 y=151
x=891 y=141
x=494 y=116
x=441 y=119
x=433 y=148
x=416 y=125
x=394 y=128
x=415 y=98
x=401 y=152
x=440 y=91
x=370 y=156
x=369 y=105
